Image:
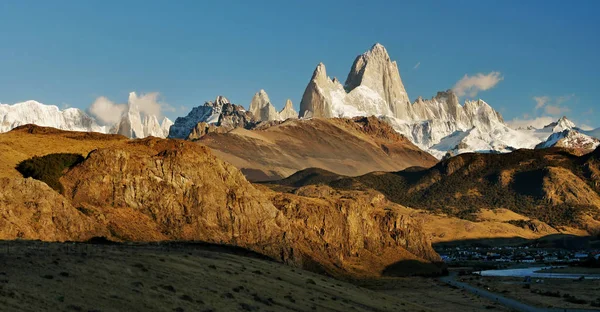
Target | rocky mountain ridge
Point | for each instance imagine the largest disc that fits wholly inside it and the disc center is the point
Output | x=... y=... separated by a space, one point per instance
x=440 y=125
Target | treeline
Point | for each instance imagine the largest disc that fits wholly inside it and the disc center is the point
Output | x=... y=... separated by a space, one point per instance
x=49 y=168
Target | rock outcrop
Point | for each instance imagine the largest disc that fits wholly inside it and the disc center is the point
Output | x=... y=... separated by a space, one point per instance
x=261 y=107
x=288 y=111
x=375 y=70
x=30 y=209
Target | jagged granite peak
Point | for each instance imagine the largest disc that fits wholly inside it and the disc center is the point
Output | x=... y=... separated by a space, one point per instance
x=220 y=113
x=374 y=69
x=323 y=97
x=135 y=125
x=33 y=112
x=288 y=111
x=221 y=100
x=261 y=107
x=209 y=113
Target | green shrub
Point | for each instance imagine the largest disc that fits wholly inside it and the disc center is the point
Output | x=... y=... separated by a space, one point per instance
x=49 y=168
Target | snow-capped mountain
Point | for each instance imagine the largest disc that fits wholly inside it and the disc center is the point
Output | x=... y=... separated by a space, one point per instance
x=440 y=125
x=135 y=125
x=32 y=112
x=209 y=113
x=570 y=138
x=132 y=124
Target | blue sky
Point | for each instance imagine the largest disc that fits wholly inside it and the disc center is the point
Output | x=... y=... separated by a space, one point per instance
x=68 y=53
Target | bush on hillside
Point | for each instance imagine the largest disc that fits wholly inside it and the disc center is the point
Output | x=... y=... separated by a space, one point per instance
x=49 y=168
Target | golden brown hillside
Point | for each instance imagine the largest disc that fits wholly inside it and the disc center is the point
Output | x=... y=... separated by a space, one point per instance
x=343 y=146
x=156 y=189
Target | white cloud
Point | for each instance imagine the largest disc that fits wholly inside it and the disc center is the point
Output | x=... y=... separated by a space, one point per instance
x=149 y=103
x=471 y=85
x=525 y=122
x=553 y=105
x=540 y=101
x=586 y=127
x=417 y=65
x=556 y=110
x=106 y=111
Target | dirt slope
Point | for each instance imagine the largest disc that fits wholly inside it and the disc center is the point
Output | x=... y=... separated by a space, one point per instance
x=343 y=146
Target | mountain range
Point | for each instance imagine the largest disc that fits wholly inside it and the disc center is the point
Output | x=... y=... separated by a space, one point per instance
x=132 y=124
x=440 y=126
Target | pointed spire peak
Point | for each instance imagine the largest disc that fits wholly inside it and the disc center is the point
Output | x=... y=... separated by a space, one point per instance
x=288 y=104
x=378 y=50
x=221 y=100
x=320 y=71
x=377 y=46
x=262 y=94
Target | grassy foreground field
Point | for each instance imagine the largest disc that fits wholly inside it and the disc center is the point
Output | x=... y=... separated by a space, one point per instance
x=37 y=276
x=552 y=293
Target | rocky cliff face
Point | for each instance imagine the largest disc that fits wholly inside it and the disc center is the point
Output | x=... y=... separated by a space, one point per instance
x=288 y=111
x=155 y=189
x=375 y=70
x=30 y=209
x=261 y=107
x=438 y=125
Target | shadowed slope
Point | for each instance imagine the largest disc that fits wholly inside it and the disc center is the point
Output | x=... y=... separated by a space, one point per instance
x=551 y=185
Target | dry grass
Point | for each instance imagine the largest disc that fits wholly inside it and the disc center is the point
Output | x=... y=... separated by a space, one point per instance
x=59 y=277
x=549 y=294
x=20 y=144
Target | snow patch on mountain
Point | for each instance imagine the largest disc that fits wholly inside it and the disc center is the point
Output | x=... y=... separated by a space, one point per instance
x=32 y=112
x=209 y=113
x=570 y=138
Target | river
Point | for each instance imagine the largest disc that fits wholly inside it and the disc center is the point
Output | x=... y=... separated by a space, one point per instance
x=531 y=271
